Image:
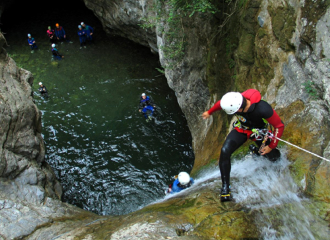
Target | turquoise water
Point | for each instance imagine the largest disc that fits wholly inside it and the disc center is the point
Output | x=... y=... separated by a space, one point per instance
x=108 y=158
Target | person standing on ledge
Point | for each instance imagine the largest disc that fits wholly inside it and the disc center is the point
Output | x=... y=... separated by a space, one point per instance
x=252 y=113
x=32 y=43
x=51 y=34
x=60 y=33
x=89 y=31
x=82 y=36
x=182 y=182
x=146 y=105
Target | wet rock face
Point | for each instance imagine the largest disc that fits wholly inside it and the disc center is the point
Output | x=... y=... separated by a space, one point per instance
x=22 y=149
x=124 y=18
x=26 y=181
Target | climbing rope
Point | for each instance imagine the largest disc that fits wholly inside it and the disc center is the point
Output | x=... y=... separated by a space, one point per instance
x=265 y=132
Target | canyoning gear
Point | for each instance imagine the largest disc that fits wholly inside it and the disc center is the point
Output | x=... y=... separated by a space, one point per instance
x=177 y=187
x=60 y=34
x=145 y=102
x=255 y=117
x=82 y=36
x=225 y=193
x=146 y=105
x=51 y=34
x=57 y=25
x=231 y=102
x=183 y=178
x=29 y=35
x=82 y=23
x=53 y=45
x=254 y=149
x=79 y=26
x=246 y=128
x=32 y=43
x=143 y=94
x=89 y=31
x=56 y=54
x=147 y=109
x=43 y=90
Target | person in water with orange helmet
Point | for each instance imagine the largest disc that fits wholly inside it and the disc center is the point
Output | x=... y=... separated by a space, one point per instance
x=252 y=113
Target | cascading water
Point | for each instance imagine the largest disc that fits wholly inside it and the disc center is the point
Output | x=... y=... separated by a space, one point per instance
x=269 y=192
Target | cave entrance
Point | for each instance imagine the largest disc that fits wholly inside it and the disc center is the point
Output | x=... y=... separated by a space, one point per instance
x=108 y=158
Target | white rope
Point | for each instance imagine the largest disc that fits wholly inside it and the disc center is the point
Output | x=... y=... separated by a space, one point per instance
x=272 y=136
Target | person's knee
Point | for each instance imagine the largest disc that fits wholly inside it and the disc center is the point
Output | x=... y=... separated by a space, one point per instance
x=228 y=148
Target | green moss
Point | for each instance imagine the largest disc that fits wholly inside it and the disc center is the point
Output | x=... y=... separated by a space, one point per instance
x=261 y=33
x=284 y=25
x=245 y=50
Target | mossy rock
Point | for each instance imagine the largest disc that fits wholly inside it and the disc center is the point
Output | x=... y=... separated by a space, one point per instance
x=245 y=50
x=284 y=25
x=262 y=33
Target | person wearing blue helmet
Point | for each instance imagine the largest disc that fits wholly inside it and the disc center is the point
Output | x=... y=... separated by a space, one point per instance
x=32 y=43
x=89 y=31
x=82 y=36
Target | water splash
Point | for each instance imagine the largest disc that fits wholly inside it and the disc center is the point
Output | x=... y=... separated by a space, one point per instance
x=268 y=190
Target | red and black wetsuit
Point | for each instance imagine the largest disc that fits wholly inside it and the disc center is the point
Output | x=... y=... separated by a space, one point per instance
x=253 y=118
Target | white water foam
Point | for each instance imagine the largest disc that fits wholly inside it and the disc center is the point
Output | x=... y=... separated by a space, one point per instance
x=268 y=190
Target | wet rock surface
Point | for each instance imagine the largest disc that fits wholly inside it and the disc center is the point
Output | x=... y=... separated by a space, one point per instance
x=29 y=191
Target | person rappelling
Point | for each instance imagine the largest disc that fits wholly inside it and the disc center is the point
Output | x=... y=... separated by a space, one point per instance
x=253 y=114
x=181 y=182
x=146 y=106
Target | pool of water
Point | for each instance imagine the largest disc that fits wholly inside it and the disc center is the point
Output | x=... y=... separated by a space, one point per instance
x=108 y=158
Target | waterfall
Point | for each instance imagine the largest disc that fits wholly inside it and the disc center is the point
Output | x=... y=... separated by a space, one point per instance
x=268 y=191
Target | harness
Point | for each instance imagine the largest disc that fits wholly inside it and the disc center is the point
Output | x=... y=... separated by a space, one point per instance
x=256 y=133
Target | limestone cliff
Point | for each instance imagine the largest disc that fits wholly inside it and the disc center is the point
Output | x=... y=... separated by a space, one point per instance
x=29 y=191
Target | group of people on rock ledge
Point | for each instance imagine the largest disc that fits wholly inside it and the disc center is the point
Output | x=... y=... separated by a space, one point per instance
x=254 y=115
x=85 y=34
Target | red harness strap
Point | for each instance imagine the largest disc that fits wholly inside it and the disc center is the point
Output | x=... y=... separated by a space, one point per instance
x=248 y=132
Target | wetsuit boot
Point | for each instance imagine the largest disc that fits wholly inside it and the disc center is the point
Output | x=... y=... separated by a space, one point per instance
x=254 y=149
x=225 y=193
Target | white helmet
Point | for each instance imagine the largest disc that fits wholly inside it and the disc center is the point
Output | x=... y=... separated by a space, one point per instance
x=40 y=83
x=184 y=178
x=53 y=45
x=231 y=102
x=143 y=94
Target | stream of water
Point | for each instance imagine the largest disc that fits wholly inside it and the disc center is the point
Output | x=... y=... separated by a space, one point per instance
x=108 y=158
x=268 y=190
